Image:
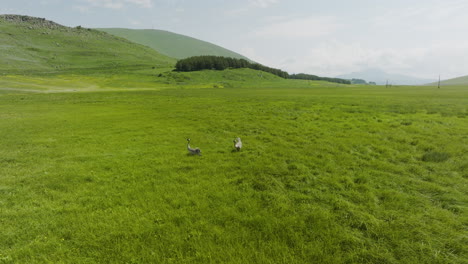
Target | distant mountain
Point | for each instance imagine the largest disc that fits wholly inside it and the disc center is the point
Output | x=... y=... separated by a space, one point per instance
x=172 y=44
x=36 y=45
x=381 y=77
x=455 y=81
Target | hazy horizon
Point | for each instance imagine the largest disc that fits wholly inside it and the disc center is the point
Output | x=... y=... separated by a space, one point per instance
x=421 y=39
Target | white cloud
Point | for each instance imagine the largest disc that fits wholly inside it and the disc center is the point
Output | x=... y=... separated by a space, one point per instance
x=306 y=27
x=6 y=10
x=420 y=41
x=439 y=16
x=141 y=3
x=49 y=2
x=112 y=4
x=119 y=4
x=332 y=58
x=82 y=9
x=262 y=3
x=134 y=22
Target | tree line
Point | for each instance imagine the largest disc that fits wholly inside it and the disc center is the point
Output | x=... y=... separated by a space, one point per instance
x=198 y=63
x=303 y=76
x=361 y=81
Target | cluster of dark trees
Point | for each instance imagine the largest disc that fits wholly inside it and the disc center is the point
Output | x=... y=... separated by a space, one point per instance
x=358 y=81
x=304 y=76
x=361 y=81
x=198 y=63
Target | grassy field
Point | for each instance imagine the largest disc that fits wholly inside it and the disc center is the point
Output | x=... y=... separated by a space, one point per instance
x=328 y=173
x=153 y=79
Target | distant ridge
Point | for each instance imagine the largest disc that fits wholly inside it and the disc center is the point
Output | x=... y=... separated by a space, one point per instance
x=380 y=77
x=171 y=44
x=463 y=80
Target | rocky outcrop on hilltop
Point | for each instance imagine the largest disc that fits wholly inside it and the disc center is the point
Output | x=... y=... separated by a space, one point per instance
x=32 y=22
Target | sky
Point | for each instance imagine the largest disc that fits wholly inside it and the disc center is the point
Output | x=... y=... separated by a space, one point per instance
x=420 y=38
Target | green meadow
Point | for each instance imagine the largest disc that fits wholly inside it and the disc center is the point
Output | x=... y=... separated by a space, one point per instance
x=94 y=169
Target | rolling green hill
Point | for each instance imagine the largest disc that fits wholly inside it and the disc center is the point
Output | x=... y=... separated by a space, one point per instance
x=35 y=45
x=463 y=80
x=172 y=44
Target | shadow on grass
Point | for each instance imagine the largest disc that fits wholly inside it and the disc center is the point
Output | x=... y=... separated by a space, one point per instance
x=434 y=156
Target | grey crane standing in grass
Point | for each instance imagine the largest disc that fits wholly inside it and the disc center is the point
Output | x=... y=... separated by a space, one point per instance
x=193 y=151
x=237 y=143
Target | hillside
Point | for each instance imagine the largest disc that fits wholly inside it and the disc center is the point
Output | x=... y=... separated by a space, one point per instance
x=36 y=45
x=463 y=80
x=172 y=44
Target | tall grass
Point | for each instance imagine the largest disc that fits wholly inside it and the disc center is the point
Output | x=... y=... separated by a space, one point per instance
x=326 y=175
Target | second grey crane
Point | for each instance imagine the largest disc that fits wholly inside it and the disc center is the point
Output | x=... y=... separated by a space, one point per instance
x=193 y=151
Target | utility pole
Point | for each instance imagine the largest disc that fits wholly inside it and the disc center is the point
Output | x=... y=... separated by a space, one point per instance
x=438 y=86
x=386 y=85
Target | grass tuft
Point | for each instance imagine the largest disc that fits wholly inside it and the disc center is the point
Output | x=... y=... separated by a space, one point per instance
x=434 y=156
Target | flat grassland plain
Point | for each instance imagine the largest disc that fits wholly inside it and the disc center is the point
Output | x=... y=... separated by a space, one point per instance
x=92 y=172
